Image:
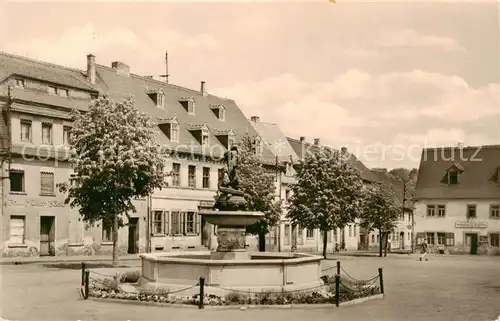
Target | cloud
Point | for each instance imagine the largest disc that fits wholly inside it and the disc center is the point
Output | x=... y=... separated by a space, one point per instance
x=363 y=110
x=70 y=47
x=409 y=38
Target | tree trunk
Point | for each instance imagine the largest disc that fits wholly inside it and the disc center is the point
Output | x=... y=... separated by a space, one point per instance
x=325 y=242
x=262 y=242
x=381 y=241
x=386 y=243
x=115 y=241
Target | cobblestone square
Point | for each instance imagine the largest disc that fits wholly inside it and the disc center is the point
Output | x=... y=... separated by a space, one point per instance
x=444 y=288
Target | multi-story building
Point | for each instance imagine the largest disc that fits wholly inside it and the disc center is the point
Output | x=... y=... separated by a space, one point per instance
x=195 y=130
x=458 y=200
x=402 y=236
x=350 y=235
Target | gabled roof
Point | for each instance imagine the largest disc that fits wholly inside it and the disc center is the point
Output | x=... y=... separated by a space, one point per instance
x=274 y=139
x=119 y=86
x=302 y=148
x=478 y=180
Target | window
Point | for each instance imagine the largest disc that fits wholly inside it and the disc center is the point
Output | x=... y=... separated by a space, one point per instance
x=441 y=238
x=192 y=176
x=431 y=210
x=373 y=238
x=495 y=239
x=66 y=135
x=16 y=178
x=158 y=222
x=206 y=177
x=450 y=239
x=190 y=223
x=72 y=180
x=441 y=210
x=175 y=228
x=310 y=234
x=17 y=229
x=287 y=195
x=354 y=230
x=176 y=174
x=378 y=238
x=46 y=183
x=452 y=177
x=220 y=176
x=20 y=83
x=26 y=130
x=62 y=92
x=174 y=132
x=495 y=211
x=204 y=138
x=107 y=234
x=46 y=133
x=430 y=238
x=287 y=234
x=52 y=90
x=471 y=211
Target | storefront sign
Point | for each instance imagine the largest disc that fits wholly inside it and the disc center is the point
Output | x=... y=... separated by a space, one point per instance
x=29 y=202
x=209 y=204
x=467 y=224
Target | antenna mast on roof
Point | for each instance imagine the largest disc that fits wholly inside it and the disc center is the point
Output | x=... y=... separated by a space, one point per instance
x=166 y=67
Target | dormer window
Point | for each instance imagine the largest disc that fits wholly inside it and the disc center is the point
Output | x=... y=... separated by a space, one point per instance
x=157 y=96
x=171 y=128
x=20 y=83
x=219 y=111
x=453 y=174
x=201 y=133
x=258 y=146
x=226 y=137
x=188 y=104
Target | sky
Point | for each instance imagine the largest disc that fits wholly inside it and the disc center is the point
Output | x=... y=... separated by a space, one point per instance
x=384 y=79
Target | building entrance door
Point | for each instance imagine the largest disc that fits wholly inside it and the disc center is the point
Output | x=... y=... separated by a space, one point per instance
x=133 y=235
x=402 y=240
x=47 y=236
x=471 y=239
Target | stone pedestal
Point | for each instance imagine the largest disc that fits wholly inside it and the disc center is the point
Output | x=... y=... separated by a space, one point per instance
x=230 y=244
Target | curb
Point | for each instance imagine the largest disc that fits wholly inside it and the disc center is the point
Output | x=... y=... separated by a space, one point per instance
x=240 y=307
x=90 y=259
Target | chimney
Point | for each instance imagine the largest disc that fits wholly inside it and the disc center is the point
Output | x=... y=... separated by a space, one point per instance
x=121 y=68
x=255 y=119
x=343 y=150
x=203 y=89
x=302 y=139
x=316 y=141
x=91 y=73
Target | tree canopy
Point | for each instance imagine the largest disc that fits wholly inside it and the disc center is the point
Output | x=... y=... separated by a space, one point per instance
x=380 y=210
x=328 y=193
x=258 y=185
x=115 y=160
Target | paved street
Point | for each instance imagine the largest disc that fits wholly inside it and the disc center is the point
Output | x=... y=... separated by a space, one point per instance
x=445 y=288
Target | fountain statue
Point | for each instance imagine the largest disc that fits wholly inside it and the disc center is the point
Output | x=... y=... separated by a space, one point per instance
x=229 y=213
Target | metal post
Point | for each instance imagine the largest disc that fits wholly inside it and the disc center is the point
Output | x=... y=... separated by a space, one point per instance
x=338 y=267
x=87 y=273
x=337 y=290
x=380 y=275
x=202 y=293
x=83 y=273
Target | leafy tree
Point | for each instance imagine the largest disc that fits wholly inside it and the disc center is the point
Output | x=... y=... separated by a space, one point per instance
x=328 y=192
x=115 y=161
x=380 y=211
x=259 y=188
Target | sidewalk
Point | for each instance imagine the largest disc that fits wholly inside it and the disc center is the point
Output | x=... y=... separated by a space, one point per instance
x=65 y=259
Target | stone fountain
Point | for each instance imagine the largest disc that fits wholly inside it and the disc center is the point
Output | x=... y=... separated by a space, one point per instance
x=231 y=266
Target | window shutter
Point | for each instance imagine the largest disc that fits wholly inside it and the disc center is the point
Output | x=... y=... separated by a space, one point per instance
x=17 y=230
x=166 y=216
x=175 y=223
x=197 y=223
x=47 y=183
x=183 y=222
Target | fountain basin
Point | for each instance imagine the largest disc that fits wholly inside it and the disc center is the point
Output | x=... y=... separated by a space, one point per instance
x=231 y=218
x=262 y=272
